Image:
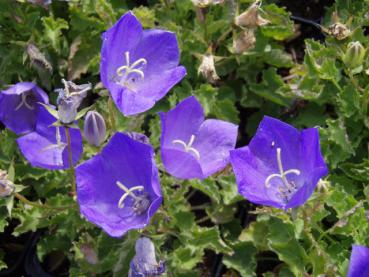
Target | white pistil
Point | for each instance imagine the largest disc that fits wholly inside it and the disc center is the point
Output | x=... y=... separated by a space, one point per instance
x=58 y=145
x=24 y=102
x=282 y=174
x=188 y=147
x=128 y=68
x=128 y=192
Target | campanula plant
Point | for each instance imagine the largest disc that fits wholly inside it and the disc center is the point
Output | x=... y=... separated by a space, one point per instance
x=138 y=66
x=119 y=189
x=281 y=166
x=192 y=147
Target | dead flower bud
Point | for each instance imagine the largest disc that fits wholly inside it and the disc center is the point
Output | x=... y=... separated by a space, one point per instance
x=245 y=41
x=339 y=31
x=37 y=58
x=251 y=17
x=6 y=186
x=206 y=3
x=207 y=69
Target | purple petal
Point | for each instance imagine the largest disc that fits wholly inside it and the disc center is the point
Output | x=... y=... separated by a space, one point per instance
x=146 y=94
x=359 y=262
x=250 y=177
x=181 y=122
x=125 y=160
x=39 y=149
x=312 y=167
x=180 y=164
x=271 y=134
x=17 y=116
x=160 y=49
x=215 y=139
x=122 y=37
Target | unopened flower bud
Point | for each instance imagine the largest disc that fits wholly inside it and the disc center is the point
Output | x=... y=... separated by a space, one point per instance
x=95 y=128
x=251 y=17
x=69 y=100
x=6 y=186
x=245 y=41
x=207 y=69
x=354 y=55
x=339 y=31
x=144 y=262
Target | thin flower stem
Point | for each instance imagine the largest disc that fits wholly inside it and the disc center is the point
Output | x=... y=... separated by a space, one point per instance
x=111 y=113
x=35 y=204
x=223 y=36
x=204 y=219
x=70 y=160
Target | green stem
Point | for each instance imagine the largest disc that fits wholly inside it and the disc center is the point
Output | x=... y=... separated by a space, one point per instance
x=111 y=113
x=70 y=159
x=35 y=204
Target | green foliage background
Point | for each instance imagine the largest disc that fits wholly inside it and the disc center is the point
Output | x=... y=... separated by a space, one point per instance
x=204 y=228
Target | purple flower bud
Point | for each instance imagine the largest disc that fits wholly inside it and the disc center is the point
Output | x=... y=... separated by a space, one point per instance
x=95 y=129
x=6 y=186
x=69 y=99
x=144 y=262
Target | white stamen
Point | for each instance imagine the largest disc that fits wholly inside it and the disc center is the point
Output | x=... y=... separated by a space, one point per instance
x=282 y=174
x=128 y=68
x=128 y=192
x=24 y=102
x=273 y=143
x=188 y=147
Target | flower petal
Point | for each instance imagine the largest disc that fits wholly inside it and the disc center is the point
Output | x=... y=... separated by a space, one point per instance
x=122 y=37
x=215 y=139
x=359 y=262
x=180 y=164
x=17 y=116
x=250 y=177
x=181 y=122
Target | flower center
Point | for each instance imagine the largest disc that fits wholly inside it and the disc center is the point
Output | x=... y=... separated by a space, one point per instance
x=288 y=187
x=23 y=102
x=188 y=147
x=129 y=72
x=140 y=200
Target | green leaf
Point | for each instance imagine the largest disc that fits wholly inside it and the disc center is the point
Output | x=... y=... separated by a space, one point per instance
x=53 y=31
x=243 y=260
x=281 y=239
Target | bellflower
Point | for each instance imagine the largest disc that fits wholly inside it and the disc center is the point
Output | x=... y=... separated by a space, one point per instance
x=69 y=100
x=359 y=262
x=46 y=147
x=192 y=147
x=281 y=166
x=144 y=262
x=119 y=188
x=138 y=66
x=18 y=106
